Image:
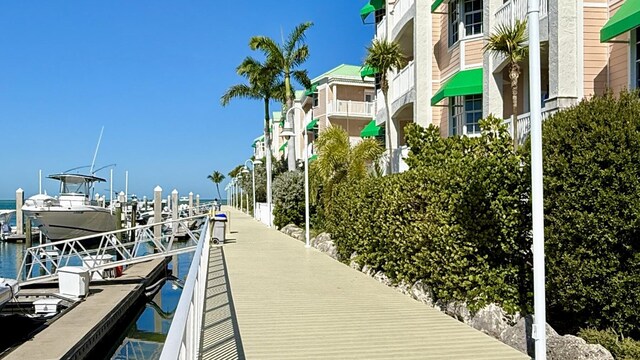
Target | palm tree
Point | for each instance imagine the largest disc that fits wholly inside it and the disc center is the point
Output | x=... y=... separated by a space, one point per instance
x=385 y=56
x=263 y=85
x=338 y=161
x=510 y=41
x=286 y=58
x=216 y=177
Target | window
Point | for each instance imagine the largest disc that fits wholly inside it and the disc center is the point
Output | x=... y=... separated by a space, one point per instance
x=368 y=96
x=315 y=99
x=469 y=12
x=473 y=113
x=379 y=15
x=465 y=114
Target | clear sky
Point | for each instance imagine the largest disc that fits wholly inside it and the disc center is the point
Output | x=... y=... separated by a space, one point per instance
x=152 y=73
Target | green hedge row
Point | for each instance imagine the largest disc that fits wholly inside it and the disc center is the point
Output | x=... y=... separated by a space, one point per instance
x=456 y=220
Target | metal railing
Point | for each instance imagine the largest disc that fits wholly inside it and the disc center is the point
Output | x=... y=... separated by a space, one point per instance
x=404 y=81
x=183 y=339
x=351 y=108
x=126 y=247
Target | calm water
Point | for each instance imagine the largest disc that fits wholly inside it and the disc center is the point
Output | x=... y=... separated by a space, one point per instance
x=145 y=335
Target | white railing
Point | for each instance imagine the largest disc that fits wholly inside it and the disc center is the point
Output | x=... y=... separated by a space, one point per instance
x=183 y=339
x=351 y=108
x=403 y=81
x=514 y=10
x=524 y=124
x=379 y=100
x=399 y=10
x=381 y=30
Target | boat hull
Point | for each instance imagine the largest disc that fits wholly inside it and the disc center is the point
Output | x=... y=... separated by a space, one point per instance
x=58 y=223
x=8 y=289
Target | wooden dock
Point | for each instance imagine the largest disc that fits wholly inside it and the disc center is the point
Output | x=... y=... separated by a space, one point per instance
x=269 y=297
x=75 y=333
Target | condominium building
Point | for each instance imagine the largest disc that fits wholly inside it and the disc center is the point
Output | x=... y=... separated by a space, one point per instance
x=587 y=48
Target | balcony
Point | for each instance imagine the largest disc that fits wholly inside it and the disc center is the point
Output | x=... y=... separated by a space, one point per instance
x=348 y=108
x=381 y=30
x=513 y=10
x=400 y=9
x=524 y=123
x=404 y=81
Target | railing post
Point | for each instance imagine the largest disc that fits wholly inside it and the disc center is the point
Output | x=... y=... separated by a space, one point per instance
x=157 y=212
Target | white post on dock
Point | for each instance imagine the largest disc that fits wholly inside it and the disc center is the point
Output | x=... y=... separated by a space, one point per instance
x=19 y=219
x=126 y=186
x=190 y=203
x=157 y=211
x=198 y=201
x=174 y=210
x=168 y=201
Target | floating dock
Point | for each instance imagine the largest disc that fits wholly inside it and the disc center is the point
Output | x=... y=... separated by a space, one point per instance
x=76 y=333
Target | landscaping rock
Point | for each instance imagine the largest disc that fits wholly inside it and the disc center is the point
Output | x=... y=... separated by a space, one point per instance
x=456 y=310
x=492 y=320
x=324 y=243
x=567 y=347
x=383 y=278
x=353 y=263
x=404 y=288
x=422 y=293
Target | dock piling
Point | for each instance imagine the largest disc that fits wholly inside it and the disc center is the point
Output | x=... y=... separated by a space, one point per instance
x=157 y=211
x=19 y=216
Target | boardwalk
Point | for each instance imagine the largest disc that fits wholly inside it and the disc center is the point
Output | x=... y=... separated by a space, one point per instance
x=271 y=298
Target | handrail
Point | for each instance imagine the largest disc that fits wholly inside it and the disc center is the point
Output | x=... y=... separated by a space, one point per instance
x=183 y=339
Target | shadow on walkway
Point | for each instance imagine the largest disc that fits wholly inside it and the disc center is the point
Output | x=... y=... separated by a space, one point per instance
x=220 y=333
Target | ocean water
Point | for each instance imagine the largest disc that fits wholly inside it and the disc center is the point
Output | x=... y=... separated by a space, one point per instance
x=10 y=254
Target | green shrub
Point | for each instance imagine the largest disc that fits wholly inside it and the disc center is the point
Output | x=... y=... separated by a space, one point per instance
x=456 y=220
x=288 y=199
x=591 y=156
x=620 y=348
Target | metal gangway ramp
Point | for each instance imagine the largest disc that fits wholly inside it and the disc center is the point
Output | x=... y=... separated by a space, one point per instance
x=263 y=295
x=126 y=246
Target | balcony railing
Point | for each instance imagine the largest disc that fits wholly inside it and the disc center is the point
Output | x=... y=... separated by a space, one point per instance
x=524 y=124
x=381 y=30
x=379 y=100
x=514 y=10
x=403 y=81
x=352 y=108
x=399 y=10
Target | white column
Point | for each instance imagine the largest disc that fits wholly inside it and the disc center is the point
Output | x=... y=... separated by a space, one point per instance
x=174 y=205
x=157 y=211
x=19 y=217
x=423 y=73
x=563 y=53
x=190 y=204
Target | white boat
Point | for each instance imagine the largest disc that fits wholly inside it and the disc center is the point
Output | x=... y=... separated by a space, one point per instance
x=72 y=213
x=8 y=289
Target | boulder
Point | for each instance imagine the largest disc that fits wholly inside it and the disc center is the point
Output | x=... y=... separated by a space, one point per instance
x=567 y=347
x=324 y=243
x=492 y=320
x=457 y=310
x=422 y=293
x=353 y=263
x=403 y=288
x=383 y=278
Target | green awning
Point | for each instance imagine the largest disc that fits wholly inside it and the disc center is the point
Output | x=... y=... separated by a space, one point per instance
x=367 y=70
x=284 y=146
x=312 y=124
x=371 y=130
x=313 y=157
x=369 y=7
x=435 y=5
x=626 y=18
x=465 y=82
x=312 y=90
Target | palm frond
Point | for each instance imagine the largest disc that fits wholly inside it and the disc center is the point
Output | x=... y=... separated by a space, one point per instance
x=300 y=56
x=269 y=47
x=508 y=41
x=239 y=91
x=302 y=77
x=296 y=37
x=385 y=56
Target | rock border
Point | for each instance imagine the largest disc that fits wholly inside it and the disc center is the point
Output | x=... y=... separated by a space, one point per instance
x=513 y=330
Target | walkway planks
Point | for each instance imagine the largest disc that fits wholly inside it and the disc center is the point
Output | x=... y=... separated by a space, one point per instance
x=289 y=302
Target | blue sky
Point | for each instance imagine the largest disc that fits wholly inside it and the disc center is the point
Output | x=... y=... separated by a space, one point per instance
x=152 y=73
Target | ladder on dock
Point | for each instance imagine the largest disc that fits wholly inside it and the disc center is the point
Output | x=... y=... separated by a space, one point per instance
x=126 y=247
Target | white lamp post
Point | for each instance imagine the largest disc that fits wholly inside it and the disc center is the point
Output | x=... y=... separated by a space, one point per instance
x=253 y=178
x=288 y=132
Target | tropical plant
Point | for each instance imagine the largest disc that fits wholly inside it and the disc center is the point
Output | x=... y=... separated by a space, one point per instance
x=338 y=161
x=509 y=41
x=216 y=177
x=263 y=85
x=286 y=58
x=385 y=56
x=288 y=199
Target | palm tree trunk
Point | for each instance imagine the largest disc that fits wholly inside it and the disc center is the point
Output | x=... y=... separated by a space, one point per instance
x=218 y=187
x=385 y=91
x=513 y=75
x=267 y=138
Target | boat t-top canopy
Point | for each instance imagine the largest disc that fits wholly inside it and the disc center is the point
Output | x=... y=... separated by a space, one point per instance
x=76 y=178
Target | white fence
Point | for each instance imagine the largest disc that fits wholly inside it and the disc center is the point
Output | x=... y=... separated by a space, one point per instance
x=399 y=10
x=183 y=339
x=524 y=124
x=513 y=10
x=263 y=214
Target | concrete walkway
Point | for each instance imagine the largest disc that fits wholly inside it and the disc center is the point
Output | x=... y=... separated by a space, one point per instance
x=272 y=298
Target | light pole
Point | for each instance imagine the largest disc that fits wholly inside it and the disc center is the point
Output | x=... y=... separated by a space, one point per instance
x=287 y=132
x=253 y=178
